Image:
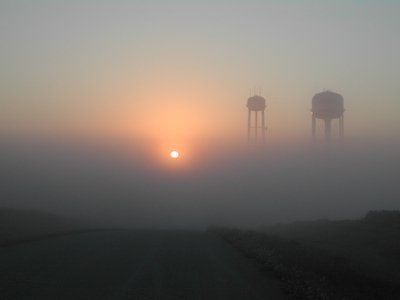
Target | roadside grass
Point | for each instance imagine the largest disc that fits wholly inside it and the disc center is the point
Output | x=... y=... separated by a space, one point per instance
x=323 y=259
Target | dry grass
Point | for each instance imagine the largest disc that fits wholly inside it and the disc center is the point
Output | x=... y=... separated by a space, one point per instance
x=329 y=260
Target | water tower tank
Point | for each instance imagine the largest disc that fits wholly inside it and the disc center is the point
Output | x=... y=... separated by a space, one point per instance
x=327 y=105
x=256 y=103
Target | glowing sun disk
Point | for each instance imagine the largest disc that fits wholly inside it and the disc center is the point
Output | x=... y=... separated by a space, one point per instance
x=174 y=154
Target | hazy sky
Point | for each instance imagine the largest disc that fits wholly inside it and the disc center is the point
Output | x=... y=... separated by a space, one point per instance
x=172 y=71
x=163 y=75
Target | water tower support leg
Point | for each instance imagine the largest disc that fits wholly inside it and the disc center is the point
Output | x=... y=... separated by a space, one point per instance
x=313 y=127
x=248 y=126
x=328 y=129
x=341 y=127
x=263 y=126
x=256 y=127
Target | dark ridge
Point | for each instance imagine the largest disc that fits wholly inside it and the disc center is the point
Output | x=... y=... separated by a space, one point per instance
x=20 y=225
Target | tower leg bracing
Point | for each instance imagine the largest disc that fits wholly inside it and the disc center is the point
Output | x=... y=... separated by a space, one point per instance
x=256 y=126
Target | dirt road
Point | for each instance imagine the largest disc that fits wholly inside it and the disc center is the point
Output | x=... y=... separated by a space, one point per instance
x=131 y=264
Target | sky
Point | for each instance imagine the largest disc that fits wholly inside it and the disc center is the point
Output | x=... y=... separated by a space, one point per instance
x=178 y=70
x=133 y=80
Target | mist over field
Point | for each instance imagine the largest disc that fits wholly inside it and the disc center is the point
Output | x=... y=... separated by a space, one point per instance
x=235 y=186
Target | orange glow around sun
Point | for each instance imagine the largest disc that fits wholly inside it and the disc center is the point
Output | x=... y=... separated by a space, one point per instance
x=178 y=112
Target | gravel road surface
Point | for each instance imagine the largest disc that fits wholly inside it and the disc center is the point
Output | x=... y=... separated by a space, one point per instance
x=132 y=264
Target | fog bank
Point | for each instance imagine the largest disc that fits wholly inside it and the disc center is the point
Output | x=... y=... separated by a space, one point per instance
x=226 y=185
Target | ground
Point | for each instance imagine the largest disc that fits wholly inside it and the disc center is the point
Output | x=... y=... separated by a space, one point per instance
x=132 y=264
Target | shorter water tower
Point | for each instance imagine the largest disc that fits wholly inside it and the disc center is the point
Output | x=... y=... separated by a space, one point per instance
x=256 y=104
x=327 y=106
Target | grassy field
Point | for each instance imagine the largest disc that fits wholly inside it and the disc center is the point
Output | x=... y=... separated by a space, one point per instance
x=352 y=259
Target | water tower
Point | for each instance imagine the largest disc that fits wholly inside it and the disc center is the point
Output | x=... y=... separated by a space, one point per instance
x=327 y=106
x=256 y=104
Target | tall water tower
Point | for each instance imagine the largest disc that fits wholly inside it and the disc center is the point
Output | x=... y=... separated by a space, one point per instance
x=256 y=104
x=327 y=106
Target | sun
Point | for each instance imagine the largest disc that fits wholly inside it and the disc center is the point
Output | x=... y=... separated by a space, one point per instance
x=174 y=154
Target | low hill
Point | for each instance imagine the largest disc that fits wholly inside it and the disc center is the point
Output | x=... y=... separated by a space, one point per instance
x=17 y=225
x=375 y=237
